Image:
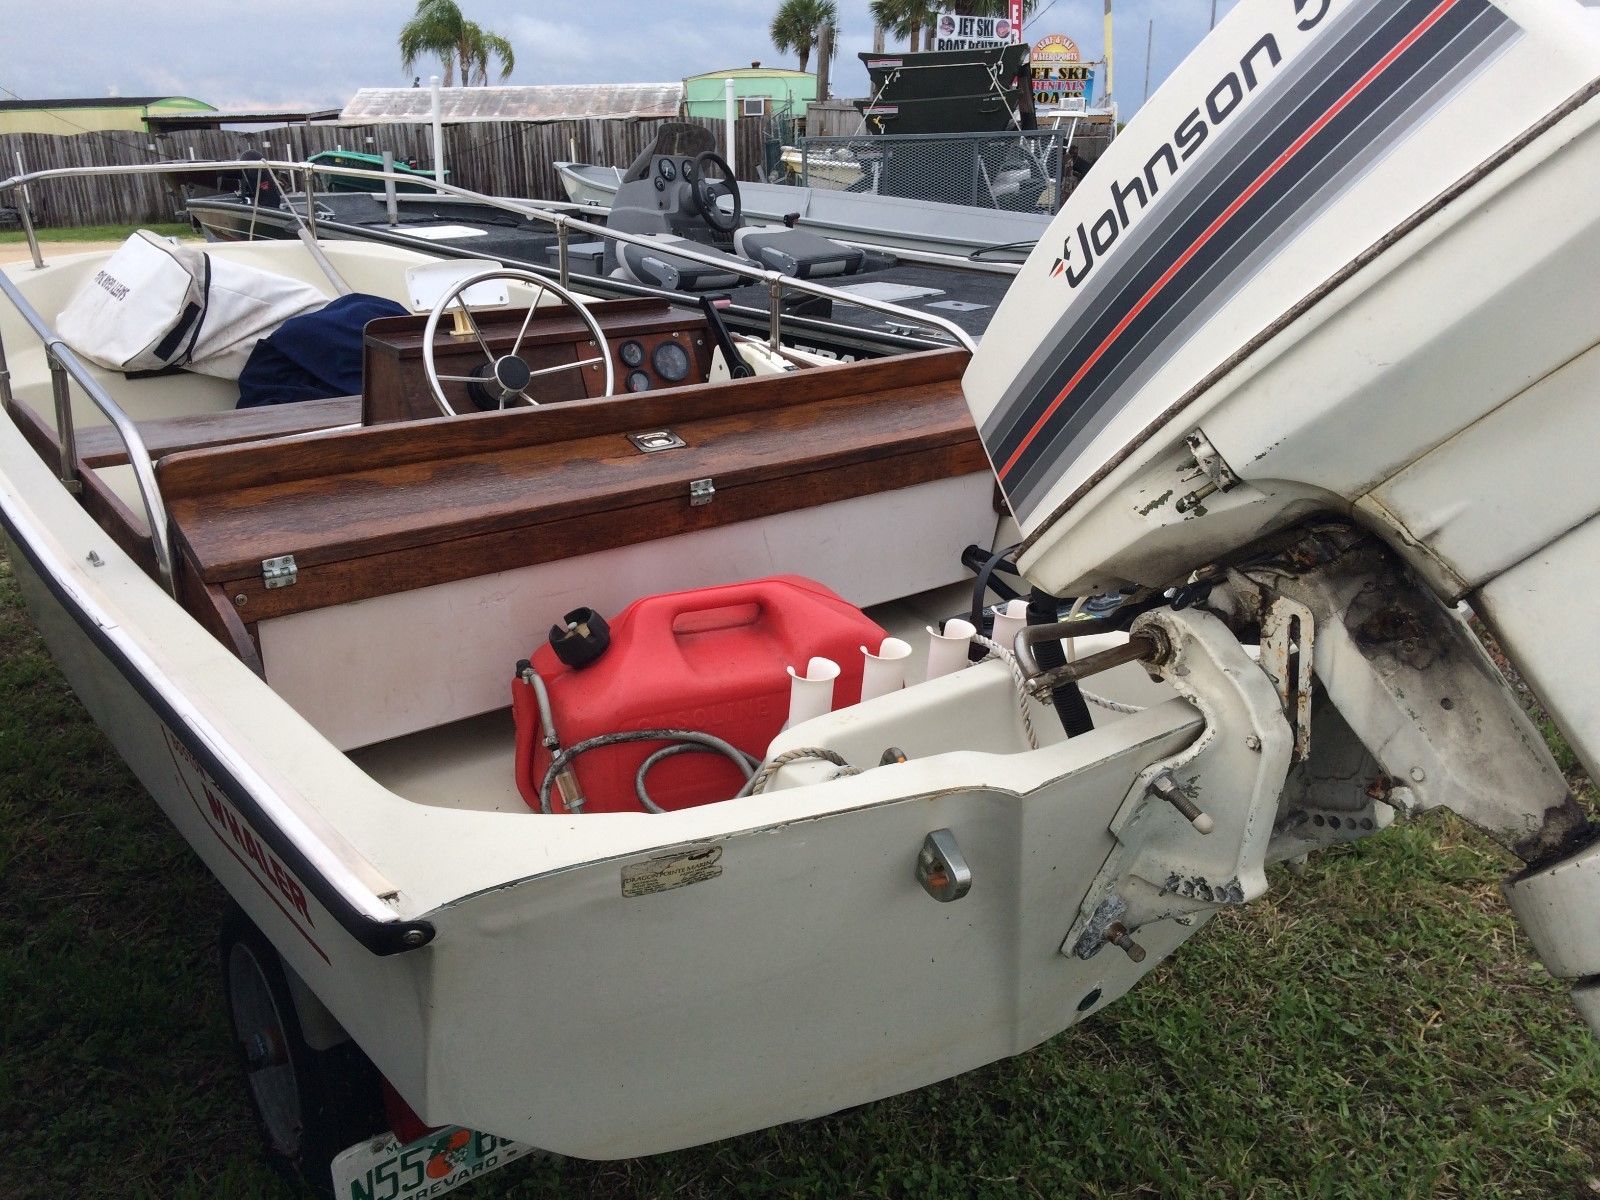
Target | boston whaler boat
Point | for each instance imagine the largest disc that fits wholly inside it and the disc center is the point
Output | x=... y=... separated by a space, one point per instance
x=1257 y=404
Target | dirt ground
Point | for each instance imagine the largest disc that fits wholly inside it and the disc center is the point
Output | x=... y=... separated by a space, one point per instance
x=13 y=252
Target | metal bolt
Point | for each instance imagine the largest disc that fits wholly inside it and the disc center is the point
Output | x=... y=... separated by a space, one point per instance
x=240 y=600
x=1117 y=935
x=1164 y=786
x=1418 y=774
x=413 y=937
x=1252 y=742
x=1193 y=500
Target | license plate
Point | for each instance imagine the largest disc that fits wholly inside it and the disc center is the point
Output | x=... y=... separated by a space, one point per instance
x=383 y=1169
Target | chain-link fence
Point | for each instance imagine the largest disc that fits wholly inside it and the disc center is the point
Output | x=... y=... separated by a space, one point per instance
x=1017 y=172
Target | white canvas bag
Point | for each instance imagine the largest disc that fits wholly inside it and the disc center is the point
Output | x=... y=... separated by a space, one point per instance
x=158 y=304
x=141 y=309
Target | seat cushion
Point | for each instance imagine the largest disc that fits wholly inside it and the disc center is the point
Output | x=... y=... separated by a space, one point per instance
x=797 y=253
x=659 y=267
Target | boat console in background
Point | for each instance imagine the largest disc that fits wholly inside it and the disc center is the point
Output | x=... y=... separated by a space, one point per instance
x=670 y=194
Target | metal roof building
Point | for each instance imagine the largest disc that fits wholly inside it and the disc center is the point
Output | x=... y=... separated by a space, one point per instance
x=94 y=114
x=540 y=102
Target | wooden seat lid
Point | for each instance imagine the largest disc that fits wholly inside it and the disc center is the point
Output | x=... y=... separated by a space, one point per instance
x=376 y=493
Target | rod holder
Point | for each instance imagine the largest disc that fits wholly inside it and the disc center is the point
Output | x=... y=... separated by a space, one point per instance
x=885 y=671
x=1010 y=619
x=811 y=694
x=947 y=651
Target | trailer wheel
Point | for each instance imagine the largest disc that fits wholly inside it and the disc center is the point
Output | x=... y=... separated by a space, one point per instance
x=310 y=1104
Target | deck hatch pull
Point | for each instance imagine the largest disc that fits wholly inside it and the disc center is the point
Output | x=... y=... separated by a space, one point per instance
x=279 y=572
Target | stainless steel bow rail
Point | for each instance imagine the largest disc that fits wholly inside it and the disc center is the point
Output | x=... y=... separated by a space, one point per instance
x=64 y=363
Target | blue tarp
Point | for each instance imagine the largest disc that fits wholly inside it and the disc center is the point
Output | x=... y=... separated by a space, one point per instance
x=313 y=356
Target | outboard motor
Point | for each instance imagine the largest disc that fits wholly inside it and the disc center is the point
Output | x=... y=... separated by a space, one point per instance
x=1319 y=338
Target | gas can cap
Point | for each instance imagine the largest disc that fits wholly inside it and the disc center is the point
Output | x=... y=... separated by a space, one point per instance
x=582 y=637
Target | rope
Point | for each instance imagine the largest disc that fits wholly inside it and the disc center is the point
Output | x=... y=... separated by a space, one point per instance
x=772 y=766
x=1116 y=706
x=1018 y=678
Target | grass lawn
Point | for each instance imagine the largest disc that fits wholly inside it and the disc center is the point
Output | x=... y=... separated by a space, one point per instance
x=97 y=233
x=1373 y=1028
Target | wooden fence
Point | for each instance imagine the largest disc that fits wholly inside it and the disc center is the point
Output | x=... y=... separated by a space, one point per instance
x=502 y=158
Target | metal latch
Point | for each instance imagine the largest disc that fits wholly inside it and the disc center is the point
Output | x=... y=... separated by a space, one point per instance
x=941 y=870
x=701 y=491
x=279 y=572
x=653 y=441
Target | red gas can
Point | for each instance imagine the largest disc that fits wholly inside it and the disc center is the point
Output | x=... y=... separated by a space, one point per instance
x=714 y=660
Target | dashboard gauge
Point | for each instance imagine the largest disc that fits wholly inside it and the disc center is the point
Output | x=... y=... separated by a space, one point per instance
x=638 y=381
x=671 y=362
x=688 y=170
x=631 y=354
x=668 y=171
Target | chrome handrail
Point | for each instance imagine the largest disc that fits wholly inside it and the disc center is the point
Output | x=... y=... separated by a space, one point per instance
x=550 y=213
x=64 y=362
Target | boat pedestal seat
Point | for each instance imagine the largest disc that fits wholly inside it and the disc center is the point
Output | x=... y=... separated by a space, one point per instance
x=797 y=253
x=659 y=267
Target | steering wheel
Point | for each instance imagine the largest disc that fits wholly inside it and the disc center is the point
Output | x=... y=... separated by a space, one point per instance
x=708 y=190
x=508 y=373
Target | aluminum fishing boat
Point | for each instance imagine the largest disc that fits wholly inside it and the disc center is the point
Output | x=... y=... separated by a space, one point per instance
x=859 y=218
x=698 y=203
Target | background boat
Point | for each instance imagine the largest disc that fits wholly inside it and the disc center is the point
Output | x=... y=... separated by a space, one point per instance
x=892 y=222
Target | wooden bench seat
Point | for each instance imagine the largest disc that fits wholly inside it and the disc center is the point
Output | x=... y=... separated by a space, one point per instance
x=380 y=510
x=99 y=445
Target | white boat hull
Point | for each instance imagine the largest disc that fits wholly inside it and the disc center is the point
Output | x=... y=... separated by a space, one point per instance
x=810 y=974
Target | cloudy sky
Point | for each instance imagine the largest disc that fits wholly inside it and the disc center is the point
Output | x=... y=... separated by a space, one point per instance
x=239 y=54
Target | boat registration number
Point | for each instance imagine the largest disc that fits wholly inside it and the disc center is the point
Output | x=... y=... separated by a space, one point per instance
x=439 y=1162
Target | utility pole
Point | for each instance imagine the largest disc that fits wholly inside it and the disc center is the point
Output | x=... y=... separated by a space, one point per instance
x=824 y=53
x=1213 y=14
x=1149 y=44
x=1111 y=84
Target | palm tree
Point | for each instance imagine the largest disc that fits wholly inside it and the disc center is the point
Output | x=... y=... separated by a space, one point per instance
x=477 y=47
x=903 y=19
x=437 y=27
x=798 y=24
